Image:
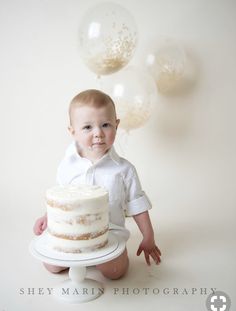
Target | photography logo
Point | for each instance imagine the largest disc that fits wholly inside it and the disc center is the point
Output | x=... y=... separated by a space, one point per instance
x=218 y=301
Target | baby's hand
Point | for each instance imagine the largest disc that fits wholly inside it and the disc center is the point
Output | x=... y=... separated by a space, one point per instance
x=149 y=248
x=40 y=225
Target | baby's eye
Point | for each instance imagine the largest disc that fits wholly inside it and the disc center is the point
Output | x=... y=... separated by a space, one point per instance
x=87 y=127
x=106 y=125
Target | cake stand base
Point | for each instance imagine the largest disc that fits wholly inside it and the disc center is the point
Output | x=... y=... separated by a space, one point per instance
x=78 y=288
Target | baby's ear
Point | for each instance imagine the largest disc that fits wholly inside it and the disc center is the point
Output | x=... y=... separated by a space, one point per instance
x=71 y=130
x=117 y=123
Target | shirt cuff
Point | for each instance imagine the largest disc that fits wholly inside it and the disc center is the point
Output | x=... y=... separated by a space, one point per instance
x=137 y=206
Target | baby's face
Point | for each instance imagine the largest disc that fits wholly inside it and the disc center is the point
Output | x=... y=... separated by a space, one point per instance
x=94 y=129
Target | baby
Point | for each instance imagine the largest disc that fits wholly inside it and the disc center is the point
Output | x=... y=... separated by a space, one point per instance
x=92 y=159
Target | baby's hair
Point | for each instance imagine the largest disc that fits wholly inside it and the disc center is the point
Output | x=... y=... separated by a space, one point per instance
x=91 y=97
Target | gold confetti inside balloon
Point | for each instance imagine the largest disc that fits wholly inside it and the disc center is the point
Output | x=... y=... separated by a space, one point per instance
x=134 y=93
x=166 y=63
x=107 y=38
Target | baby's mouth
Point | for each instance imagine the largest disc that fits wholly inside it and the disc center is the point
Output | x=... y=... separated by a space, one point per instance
x=98 y=144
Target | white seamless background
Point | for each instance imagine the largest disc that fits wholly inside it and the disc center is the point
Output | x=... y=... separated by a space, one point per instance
x=185 y=154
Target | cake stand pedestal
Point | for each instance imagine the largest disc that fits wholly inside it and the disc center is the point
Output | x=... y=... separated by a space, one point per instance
x=78 y=288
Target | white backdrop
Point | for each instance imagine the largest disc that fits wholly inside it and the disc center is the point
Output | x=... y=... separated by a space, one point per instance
x=185 y=154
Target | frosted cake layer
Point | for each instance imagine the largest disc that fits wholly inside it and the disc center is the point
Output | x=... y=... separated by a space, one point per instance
x=78 y=218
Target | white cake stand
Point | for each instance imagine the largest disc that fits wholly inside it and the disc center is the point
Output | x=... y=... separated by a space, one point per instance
x=78 y=288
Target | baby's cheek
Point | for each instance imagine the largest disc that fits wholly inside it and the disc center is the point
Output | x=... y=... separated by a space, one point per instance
x=111 y=137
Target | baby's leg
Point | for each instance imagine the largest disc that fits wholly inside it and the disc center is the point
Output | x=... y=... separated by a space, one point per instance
x=54 y=269
x=115 y=268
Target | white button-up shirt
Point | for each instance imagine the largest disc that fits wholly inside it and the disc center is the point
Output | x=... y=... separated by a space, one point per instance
x=114 y=173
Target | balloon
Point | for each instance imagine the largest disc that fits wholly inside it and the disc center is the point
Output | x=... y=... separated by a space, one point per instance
x=107 y=38
x=166 y=63
x=134 y=93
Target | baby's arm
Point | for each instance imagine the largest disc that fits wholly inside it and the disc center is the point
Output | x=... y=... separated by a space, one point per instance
x=147 y=245
x=40 y=225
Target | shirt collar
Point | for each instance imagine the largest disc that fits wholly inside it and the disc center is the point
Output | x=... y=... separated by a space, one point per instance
x=113 y=155
x=71 y=151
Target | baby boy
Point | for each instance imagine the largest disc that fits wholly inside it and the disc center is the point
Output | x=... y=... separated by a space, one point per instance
x=92 y=159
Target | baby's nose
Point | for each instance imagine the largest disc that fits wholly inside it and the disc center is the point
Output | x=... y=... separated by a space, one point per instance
x=98 y=132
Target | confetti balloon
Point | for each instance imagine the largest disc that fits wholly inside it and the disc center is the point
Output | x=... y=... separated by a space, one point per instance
x=166 y=63
x=134 y=93
x=107 y=38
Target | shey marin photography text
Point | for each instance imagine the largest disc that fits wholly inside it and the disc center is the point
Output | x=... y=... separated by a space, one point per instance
x=120 y=291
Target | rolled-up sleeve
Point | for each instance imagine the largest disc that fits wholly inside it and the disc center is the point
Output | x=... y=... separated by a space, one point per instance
x=136 y=200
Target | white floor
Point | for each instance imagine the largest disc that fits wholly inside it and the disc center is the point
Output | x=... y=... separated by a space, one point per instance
x=196 y=257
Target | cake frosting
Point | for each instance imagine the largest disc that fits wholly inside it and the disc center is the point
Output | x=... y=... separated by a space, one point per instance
x=78 y=218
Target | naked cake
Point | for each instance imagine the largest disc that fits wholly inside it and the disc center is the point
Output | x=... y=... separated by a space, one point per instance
x=78 y=218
